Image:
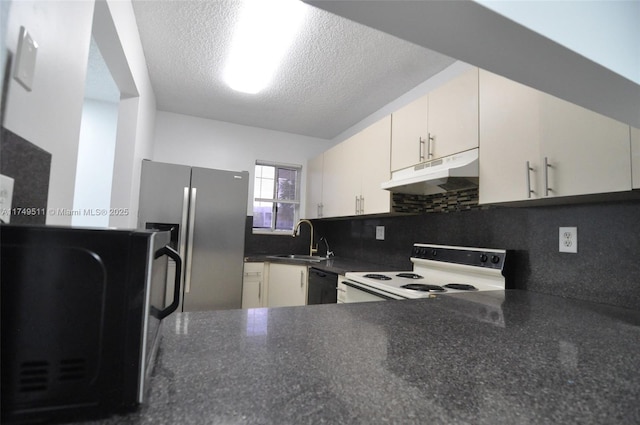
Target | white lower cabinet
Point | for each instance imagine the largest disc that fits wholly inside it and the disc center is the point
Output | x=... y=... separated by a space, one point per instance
x=342 y=290
x=287 y=285
x=253 y=290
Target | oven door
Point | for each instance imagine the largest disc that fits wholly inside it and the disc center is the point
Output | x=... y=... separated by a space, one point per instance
x=354 y=292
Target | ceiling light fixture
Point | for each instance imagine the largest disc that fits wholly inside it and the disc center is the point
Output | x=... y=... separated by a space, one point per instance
x=260 y=41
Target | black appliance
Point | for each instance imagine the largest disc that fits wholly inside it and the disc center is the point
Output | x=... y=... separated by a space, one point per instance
x=81 y=316
x=322 y=287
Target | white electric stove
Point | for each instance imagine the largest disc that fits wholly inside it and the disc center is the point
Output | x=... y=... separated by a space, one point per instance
x=437 y=269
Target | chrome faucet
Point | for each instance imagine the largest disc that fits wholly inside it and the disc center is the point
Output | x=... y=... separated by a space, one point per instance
x=296 y=229
x=326 y=243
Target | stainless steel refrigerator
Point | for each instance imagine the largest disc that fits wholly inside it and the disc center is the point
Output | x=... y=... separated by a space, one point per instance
x=206 y=211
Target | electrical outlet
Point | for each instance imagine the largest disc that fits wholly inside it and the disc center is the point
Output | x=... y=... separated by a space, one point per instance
x=380 y=233
x=568 y=239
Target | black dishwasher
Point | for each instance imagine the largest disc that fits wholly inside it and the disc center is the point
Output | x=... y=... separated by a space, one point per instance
x=322 y=287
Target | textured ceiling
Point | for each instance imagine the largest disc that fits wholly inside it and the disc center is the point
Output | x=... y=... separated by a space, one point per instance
x=336 y=73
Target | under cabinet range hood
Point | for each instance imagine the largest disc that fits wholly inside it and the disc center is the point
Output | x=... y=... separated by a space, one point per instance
x=453 y=172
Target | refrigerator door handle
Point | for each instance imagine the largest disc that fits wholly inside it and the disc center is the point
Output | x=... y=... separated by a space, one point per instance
x=192 y=223
x=184 y=221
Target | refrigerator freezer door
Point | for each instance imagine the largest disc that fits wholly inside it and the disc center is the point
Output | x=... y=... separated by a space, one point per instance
x=164 y=190
x=218 y=239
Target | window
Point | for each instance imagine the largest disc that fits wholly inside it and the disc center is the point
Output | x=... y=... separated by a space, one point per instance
x=276 y=193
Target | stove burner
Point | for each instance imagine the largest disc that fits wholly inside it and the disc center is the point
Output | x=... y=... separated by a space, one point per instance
x=461 y=286
x=423 y=287
x=377 y=276
x=409 y=275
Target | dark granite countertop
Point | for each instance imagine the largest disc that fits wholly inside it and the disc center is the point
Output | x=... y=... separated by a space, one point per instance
x=484 y=358
x=337 y=265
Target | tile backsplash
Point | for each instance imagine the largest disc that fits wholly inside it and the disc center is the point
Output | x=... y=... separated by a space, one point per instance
x=459 y=200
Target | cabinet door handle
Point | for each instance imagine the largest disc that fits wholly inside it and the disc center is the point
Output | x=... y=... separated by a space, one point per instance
x=430 y=146
x=547 y=189
x=301 y=278
x=357 y=205
x=260 y=290
x=361 y=204
x=421 y=143
x=529 y=170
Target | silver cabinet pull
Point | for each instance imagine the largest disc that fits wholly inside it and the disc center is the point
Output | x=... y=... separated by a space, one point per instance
x=421 y=143
x=430 y=146
x=547 y=189
x=529 y=170
x=192 y=224
x=357 y=205
x=361 y=204
x=260 y=290
x=302 y=278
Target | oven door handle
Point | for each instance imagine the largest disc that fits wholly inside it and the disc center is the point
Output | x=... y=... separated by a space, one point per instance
x=370 y=291
x=173 y=254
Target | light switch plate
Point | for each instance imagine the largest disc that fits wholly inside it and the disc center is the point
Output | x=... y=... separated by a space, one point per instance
x=380 y=233
x=25 y=59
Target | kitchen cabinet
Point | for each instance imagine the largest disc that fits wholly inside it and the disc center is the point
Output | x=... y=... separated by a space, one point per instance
x=441 y=123
x=409 y=134
x=536 y=146
x=341 y=289
x=452 y=118
x=353 y=171
x=635 y=157
x=253 y=291
x=313 y=203
x=287 y=285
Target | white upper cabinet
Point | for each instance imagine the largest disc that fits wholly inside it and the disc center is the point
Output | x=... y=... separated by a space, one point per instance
x=409 y=134
x=439 y=124
x=340 y=180
x=586 y=152
x=536 y=146
x=635 y=157
x=374 y=146
x=509 y=139
x=353 y=171
x=313 y=203
x=453 y=116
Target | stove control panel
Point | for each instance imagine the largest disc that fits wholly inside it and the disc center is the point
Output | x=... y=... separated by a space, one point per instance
x=477 y=257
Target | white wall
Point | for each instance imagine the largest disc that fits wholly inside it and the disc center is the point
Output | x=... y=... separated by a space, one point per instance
x=137 y=111
x=4 y=17
x=49 y=115
x=95 y=163
x=182 y=139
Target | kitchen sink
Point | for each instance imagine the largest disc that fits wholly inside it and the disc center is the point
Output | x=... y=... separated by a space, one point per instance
x=298 y=257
